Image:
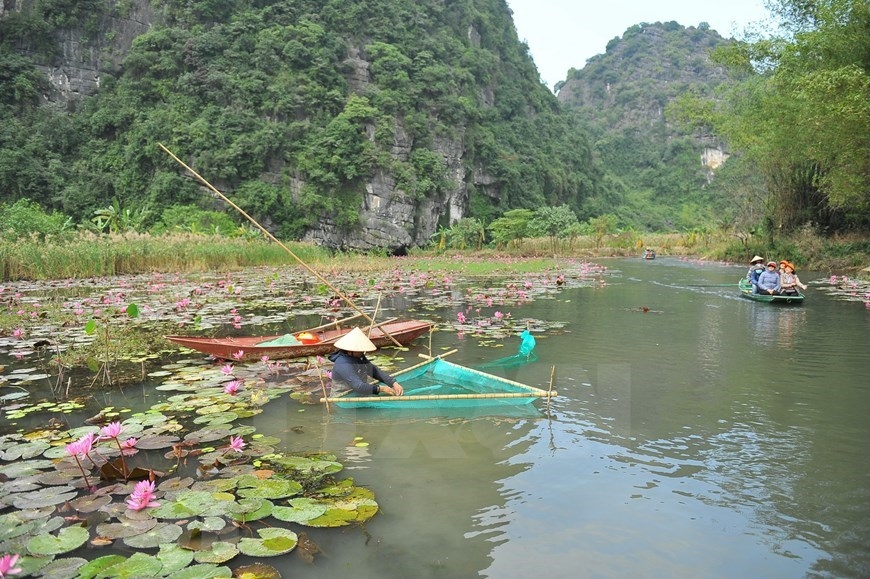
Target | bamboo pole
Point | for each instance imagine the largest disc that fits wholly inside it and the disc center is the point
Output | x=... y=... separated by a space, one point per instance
x=411 y=398
x=374 y=315
x=330 y=324
x=273 y=238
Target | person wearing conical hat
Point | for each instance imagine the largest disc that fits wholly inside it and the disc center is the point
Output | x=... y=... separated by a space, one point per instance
x=756 y=267
x=352 y=370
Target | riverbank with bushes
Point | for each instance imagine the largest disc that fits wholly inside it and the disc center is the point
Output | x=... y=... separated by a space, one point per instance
x=88 y=254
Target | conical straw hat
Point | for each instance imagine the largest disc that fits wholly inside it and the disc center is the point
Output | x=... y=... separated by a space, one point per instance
x=355 y=341
x=757 y=258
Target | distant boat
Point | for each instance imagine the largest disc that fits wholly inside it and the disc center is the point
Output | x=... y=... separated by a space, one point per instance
x=748 y=291
x=649 y=254
x=437 y=383
x=318 y=341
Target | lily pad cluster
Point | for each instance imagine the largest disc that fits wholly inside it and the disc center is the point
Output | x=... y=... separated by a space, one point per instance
x=214 y=499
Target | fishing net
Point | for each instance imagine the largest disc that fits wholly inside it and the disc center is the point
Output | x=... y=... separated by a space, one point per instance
x=524 y=355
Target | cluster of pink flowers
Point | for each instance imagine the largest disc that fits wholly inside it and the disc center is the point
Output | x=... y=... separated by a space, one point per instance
x=7 y=566
x=142 y=496
x=82 y=446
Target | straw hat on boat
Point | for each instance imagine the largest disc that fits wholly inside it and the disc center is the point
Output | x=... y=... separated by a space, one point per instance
x=355 y=341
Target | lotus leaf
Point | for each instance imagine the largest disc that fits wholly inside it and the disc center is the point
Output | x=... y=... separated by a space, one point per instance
x=301 y=511
x=212 y=524
x=216 y=418
x=11 y=527
x=90 y=503
x=21 y=485
x=68 y=539
x=195 y=503
x=221 y=552
x=24 y=468
x=125 y=528
x=273 y=541
x=273 y=488
x=257 y=571
x=356 y=507
x=215 y=485
x=203 y=571
x=306 y=465
x=65 y=568
x=153 y=442
x=25 y=451
x=44 y=497
x=252 y=509
x=161 y=534
x=173 y=557
x=175 y=484
x=214 y=408
x=31 y=565
x=208 y=434
x=99 y=565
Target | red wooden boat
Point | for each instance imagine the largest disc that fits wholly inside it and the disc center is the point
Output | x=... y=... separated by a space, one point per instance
x=316 y=341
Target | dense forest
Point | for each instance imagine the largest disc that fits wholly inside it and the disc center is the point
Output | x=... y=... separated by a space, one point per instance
x=294 y=107
x=311 y=114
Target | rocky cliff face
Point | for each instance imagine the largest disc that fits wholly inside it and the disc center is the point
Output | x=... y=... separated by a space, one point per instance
x=85 y=58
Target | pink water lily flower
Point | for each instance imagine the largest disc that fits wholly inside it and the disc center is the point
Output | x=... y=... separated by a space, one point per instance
x=128 y=447
x=239 y=355
x=232 y=387
x=227 y=368
x=142 y=496
x=236 y=443
x=111 y=430
x=82 y=446
x=7 y=565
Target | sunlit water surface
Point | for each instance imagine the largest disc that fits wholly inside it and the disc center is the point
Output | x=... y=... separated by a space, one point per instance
x=696 y=434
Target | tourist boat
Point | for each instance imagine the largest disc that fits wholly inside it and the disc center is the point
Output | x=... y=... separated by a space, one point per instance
x=438 y=383
x=649 y=254
x=312 y=342
x=747 y=291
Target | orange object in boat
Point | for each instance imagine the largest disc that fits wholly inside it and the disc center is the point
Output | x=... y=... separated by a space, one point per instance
x=307 y=338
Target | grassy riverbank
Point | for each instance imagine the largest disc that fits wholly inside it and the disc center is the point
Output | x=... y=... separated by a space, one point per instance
x=88 y=255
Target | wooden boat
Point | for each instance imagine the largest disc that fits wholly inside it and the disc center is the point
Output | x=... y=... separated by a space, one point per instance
x=747 y=291
x=320 y=343
x=439 y=383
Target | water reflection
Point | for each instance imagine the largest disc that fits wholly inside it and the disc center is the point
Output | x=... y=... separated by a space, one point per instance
x=776 y=327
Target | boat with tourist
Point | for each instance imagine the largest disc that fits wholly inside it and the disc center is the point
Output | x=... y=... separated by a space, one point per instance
x=747 y=290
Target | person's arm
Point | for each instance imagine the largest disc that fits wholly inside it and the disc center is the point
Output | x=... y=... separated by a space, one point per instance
x=798 y=283
x=346 y=373
x=392 y=387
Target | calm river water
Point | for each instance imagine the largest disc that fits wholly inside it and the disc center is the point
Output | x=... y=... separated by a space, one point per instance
x=696 y=434
x=710 y=436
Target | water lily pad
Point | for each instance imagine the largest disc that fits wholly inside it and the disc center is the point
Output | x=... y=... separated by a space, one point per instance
x=252 y=509
x=125 y=527
x=273 y=488
x=161 y=534
x=195 y=503
x=64 y=568
x=153 y=442
x=208 y=434
x=90 y=503
x=306 y=465
x=44 y=497
x=99 y=565
x=221 y=552
x=202 y=571
x=216 y=418
x=212 y=524
x=174 y=558
x=68 y=539
x=257 y=571
x=214 y=408
x=357 y=506
x=25 y=468
x=301 y=510
x=138 y=565
x=273 y=541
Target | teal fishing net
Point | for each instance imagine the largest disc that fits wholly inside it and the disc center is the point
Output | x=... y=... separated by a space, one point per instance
x=524 y=355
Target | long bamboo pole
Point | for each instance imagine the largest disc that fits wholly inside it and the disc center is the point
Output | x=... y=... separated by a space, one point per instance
x=273 y=238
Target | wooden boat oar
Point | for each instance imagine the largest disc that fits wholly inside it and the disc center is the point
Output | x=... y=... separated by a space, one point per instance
x=268 y=234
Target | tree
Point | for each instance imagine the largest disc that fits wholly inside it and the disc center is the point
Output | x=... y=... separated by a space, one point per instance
x=511 y=227
x=554 y=223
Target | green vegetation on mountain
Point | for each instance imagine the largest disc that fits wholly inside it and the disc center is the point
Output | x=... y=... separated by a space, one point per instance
x=290 y=105
x=622 y=97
